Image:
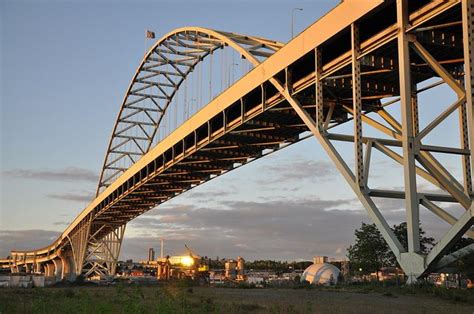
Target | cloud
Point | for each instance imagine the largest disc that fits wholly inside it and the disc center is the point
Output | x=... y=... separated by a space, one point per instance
x=208 y=194
x=300 y=169
x=279 y=229
x=61 y=223
x=282 y=229
x=25 y=240
x=68 y=174
x=72 y=197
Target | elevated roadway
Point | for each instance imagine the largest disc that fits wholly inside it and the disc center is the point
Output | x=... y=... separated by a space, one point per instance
x=348 y=67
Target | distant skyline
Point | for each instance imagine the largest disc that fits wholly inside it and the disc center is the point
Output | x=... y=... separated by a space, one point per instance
x=65 y=68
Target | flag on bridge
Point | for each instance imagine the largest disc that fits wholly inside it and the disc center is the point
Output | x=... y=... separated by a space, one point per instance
x=150 y=34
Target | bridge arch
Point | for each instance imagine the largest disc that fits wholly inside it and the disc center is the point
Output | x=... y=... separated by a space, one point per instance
x=302 y=98
x=253 y=49
x=161 y=73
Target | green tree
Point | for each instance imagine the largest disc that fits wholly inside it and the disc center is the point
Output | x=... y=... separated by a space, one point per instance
x=369 y=252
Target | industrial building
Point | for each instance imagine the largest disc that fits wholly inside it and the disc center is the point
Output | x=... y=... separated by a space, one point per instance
x=321 y=272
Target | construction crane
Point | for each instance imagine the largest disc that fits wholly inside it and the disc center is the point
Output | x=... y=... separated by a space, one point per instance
x=197 y=260
x=181 y=267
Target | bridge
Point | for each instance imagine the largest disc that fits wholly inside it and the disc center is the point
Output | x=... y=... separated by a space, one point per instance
x=355 y=66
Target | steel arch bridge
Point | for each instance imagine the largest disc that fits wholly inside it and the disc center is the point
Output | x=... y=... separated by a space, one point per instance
x=353 y=66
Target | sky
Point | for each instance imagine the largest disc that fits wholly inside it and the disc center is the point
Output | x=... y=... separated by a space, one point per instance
x=65 y=66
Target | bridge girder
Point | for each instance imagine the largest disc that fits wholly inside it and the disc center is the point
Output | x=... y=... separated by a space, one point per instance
x=295 y=97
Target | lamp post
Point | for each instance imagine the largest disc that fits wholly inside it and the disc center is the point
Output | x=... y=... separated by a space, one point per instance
x=293 y=20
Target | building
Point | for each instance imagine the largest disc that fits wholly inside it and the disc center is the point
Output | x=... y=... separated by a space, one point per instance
x=321 y=272
x=151 y=254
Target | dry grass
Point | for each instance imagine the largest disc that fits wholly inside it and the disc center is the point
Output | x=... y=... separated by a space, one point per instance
x=178 y=298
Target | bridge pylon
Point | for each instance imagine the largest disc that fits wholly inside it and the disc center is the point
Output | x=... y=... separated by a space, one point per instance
x=103 y=250
x=417 y=159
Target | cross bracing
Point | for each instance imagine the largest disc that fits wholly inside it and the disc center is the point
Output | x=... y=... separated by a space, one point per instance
x=352 y=67
x=161 y=74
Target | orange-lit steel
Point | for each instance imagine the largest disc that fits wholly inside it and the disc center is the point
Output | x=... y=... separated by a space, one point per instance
x=340 y=69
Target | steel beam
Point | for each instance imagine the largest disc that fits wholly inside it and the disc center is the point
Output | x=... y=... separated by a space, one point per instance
x=125 y=196
x=372 y=209
x=468 y=130
x=454 y=233
x=357 y=106
x=408 y=128
x=449 y=259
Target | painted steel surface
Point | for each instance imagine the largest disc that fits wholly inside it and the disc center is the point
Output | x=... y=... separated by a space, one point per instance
x=340 y=69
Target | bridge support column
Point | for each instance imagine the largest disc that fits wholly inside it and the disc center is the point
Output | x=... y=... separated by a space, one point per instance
x=78 y=243
x=405 y=134
x=103 y=250
x=39 y=268
x=49 y=269
x=57 y=269
x=413 y=261
x=28 y=268
x=67 y=266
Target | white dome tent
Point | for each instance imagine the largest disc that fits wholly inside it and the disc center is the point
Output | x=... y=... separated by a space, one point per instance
x=321 y=274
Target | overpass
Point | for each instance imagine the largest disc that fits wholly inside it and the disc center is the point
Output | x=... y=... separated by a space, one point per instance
x=356 y=65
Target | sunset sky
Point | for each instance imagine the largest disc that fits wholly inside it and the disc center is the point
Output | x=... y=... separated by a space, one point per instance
x=65 y=67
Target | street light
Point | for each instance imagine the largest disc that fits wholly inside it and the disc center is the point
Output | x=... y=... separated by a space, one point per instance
x=293 y=20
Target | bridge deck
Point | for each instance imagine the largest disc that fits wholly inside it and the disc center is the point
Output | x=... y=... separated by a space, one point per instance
x=252 y=118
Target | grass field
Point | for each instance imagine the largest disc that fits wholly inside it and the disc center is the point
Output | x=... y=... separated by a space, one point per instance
x=179 y=298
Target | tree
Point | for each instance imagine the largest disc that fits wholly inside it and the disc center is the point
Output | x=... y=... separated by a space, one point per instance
x=369 y=252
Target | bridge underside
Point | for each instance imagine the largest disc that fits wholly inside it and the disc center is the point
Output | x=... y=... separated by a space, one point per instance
x=373 y=61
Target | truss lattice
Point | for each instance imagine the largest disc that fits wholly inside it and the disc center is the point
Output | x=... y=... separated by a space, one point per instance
x=161 y=73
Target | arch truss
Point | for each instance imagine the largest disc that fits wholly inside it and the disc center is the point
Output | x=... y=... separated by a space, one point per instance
x=161 y=73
